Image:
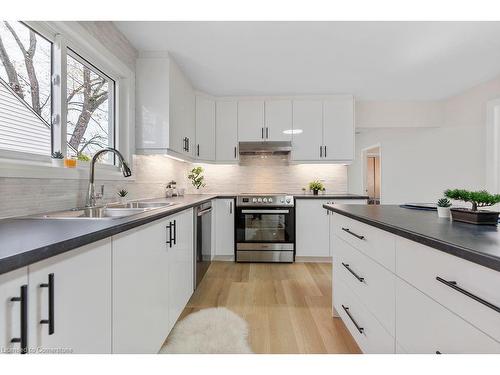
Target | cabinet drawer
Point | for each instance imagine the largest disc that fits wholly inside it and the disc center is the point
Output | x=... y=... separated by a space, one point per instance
x=424 y=326
x=375 y=243
x=421 y=266
x=366 y=330
x=372 y=283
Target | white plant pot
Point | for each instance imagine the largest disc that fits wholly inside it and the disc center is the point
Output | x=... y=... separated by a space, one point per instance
x=57 y=162
x=444 y=212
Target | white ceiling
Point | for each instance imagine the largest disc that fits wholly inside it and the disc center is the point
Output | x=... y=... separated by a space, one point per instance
x=372 y=60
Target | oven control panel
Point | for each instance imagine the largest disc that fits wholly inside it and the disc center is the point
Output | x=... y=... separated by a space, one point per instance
x=265 y=200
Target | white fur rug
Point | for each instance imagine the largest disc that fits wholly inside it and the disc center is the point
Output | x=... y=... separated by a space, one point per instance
x=209 y=331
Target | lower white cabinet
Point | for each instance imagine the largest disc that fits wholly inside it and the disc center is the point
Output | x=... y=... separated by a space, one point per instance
x=312 y=225
x=70 y=301
x=180 y=264
x=224 y=227
x=140 y=288
x=152 y=282
x=13 y=299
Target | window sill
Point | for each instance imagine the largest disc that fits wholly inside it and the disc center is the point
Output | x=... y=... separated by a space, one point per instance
x=45 y=170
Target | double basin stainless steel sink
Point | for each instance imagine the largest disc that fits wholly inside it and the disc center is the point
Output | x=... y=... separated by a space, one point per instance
x=111 y=211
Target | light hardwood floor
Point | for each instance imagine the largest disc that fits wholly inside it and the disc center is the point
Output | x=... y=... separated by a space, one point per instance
x=287 y=306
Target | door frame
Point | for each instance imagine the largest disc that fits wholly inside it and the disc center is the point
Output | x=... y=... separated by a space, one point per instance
x=364 y=155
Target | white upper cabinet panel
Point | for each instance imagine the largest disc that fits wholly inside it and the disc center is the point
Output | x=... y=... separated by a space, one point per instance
x=226 y=119
x=308 y=128
x=278 y=114
x=251 y=120
x=338 y=128
x=205 y=128
x=182 y=112
x=152 y=103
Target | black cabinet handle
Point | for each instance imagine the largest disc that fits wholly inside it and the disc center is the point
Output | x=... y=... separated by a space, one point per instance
x=346 y=309
x=50 y=320
x=360 y=279
x=453 y=285
x=174 y=225
x=320 y=151
x=23 y=338
x=235 y=152
x=353 y=234
x=187 y=139
x=169 y=241
x=262 y=133
x=325 y=151
x=267 y=132
x=198 y=149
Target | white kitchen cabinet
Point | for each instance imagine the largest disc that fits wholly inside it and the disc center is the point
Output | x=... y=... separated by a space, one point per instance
x=180 y=263
x=313 y=228
x=13 y=319
x=205 y=128
x=251 y=126
x=338 y=128
x=140 y=288
x=71 y=294
x=224 y=227
x=226 y=120
x=308 y=127
x=278 y=120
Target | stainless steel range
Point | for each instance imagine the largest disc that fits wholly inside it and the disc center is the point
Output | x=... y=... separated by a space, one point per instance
x=265 y=228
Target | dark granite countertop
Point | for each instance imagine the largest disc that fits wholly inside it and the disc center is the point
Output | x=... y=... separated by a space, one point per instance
x=475 y=243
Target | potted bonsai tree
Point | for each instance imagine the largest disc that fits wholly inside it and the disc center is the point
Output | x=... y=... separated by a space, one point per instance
x=316 y=186
x=443 y=207
x=478 y=199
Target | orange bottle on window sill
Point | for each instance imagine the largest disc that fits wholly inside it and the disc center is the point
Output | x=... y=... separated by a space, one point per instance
x=70 y=162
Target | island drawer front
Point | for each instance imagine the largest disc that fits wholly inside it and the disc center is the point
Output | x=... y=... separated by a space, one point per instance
x=372 y=283
x=420 y=265
x=373 y=338
x=424 y=326
x=376 y=243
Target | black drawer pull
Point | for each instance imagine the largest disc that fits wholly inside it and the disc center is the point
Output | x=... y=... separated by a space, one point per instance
x=453 y=285
x=360 y=279
x=50 y=320
x=23 y=299
x=174 y=225
x=346 y=309
x=353 y=234
x=170 y=239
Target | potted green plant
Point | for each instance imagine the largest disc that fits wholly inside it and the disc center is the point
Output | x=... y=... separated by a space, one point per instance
x=82 y=158
x=57 y=159
x=478 y=199
x=122 y=193
x=195 y=175
x=316 y=186
x=443 y=207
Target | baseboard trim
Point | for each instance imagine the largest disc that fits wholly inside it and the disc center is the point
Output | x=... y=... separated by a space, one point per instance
x=224 y=258
x=303 y=259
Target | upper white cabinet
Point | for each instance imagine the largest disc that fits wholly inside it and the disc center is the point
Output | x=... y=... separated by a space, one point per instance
x=308 y=128
x=70 y=300
x=165 y=108
x=251 y=126
x=338 y=128
x=205 y=128
x=278 y=120
x=226 y=129
x=324 y=129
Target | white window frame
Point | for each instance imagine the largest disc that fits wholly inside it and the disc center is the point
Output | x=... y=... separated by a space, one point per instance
x=72 y=35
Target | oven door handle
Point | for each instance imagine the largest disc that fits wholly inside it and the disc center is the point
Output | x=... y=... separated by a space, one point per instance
x=265 y=211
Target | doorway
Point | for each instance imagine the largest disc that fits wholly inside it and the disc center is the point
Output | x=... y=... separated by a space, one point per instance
x=371 y=175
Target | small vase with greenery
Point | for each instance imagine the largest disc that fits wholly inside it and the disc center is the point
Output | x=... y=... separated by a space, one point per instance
x=58 y=159
x=195 y=175
x=477 y=199
x=122 y=193
x=316 y=186
x=83 y=158
x=443 y=207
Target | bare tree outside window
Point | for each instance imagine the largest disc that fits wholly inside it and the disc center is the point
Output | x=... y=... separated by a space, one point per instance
x=88 y=100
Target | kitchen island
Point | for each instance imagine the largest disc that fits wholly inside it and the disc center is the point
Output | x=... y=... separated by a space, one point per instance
x=406 y=281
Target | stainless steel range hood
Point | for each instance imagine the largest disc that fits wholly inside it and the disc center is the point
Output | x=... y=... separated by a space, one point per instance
x=272 y=148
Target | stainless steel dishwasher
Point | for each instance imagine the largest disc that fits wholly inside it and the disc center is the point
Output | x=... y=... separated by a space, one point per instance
x=203 y=240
